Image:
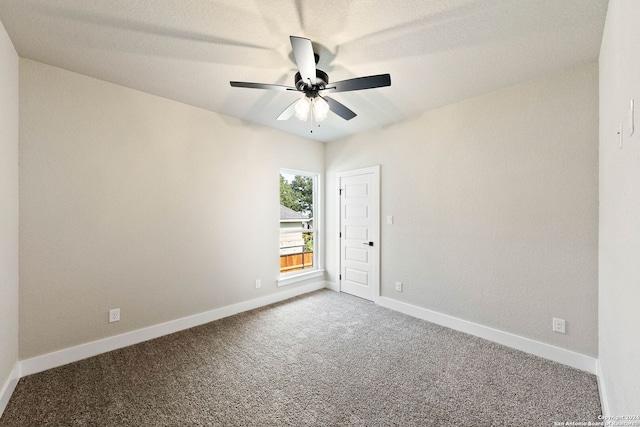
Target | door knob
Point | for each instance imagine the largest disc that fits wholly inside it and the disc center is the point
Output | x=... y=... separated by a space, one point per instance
x=368 y=243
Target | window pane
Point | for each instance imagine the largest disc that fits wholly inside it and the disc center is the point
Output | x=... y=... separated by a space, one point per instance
x=296 y=251
x=296 y=221
x=296 y=193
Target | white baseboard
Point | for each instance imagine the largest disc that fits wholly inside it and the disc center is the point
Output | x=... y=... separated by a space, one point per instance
x=8 y=387
x=83 y=351
x=604 y=402
x=546 y=351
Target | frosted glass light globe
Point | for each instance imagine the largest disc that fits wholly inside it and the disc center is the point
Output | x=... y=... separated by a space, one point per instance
x=302 y=108
x=320 y=109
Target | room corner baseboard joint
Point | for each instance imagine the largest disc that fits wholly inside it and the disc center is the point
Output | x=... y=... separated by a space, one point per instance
x=7 y=389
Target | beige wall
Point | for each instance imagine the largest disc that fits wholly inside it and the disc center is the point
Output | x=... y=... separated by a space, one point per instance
x=619 y=267
x=495 y=205
x=8 y=207
x=133 y=201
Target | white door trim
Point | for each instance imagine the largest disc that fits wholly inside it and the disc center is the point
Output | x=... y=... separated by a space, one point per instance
x=375 y=171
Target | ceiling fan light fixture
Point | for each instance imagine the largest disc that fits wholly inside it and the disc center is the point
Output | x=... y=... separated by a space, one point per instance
x=302 y=108
x=320 y=109
x=311 y=82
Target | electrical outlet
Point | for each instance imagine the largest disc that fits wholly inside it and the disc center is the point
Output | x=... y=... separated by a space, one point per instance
x=558 y=325
x=258 y=284
x=399 y=286
x=114 y=315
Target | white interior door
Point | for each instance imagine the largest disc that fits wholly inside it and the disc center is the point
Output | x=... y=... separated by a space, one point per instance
x=359 y=231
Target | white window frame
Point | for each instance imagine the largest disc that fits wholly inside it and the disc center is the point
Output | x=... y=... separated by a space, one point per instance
x=318 y=262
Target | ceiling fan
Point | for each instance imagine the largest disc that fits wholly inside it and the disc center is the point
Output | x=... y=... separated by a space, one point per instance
x=311 y=81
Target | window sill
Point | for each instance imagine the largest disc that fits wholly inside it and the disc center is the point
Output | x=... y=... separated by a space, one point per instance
x=288 y=280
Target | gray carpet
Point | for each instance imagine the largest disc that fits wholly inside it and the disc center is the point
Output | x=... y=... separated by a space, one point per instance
x=323 y=359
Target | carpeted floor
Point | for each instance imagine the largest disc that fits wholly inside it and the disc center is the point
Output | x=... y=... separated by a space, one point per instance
x=323 y=359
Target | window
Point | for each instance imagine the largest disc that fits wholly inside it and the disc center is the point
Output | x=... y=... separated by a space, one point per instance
x=299 y=237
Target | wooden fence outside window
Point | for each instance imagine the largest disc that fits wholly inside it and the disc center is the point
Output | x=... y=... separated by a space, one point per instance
x=294 y=262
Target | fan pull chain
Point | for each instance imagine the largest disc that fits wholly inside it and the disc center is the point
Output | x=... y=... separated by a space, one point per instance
x=311 y=121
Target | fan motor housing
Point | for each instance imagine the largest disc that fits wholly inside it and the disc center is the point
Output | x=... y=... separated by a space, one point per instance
x=322 y=79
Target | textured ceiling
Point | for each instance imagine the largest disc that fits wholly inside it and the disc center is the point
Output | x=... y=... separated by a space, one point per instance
x=437 y=51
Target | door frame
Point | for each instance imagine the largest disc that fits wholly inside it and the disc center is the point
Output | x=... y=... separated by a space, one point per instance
x=375 y=253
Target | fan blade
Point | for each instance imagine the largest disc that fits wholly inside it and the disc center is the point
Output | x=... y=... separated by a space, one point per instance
x=306 y=61
x=360 y=83
x=339 y=108
x=261 y=86
x=289 y=111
